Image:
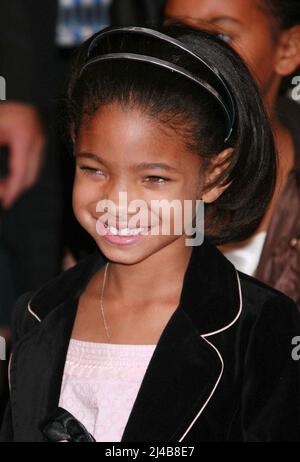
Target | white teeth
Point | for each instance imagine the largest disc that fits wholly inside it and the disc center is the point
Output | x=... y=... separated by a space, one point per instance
x=125 y=231
x=113 y=230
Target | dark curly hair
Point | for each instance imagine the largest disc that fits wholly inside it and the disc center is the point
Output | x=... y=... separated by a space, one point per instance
x=194 y=115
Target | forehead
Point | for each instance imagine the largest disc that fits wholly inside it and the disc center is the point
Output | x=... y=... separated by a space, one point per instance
x=114 y=122
x=129 y=134
x=242 y=10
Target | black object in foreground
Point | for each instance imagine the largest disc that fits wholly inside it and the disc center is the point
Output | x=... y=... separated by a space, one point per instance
x=64 y=427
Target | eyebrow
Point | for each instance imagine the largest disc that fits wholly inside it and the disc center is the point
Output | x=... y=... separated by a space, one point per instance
x=225 y=19
x=89 y=155
x=202 y=22
x=139 y=167
x=155 y=166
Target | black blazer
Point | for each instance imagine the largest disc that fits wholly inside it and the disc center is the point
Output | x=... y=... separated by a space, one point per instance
x=222 y=369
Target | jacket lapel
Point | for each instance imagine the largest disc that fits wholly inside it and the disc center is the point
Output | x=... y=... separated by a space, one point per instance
x=178 y=382
x=186 y=368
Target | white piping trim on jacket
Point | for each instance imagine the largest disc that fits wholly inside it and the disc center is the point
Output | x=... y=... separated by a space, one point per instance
x=32 y=312
x=8 y=369
x=220 y=357
x=10 y=358
x=237 y=316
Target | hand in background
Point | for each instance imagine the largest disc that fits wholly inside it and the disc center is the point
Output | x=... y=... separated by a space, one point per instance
x=20 y=130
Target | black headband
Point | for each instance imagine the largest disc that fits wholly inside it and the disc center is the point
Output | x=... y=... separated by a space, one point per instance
x=224 y=98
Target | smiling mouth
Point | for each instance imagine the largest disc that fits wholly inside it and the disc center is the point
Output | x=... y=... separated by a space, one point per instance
x=125 y=232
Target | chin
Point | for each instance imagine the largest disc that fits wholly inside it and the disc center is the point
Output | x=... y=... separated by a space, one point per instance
x=123 y=256
x=134 y=254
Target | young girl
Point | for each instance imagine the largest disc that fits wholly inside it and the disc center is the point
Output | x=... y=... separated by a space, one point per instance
x=266 y=33
x=154 y=339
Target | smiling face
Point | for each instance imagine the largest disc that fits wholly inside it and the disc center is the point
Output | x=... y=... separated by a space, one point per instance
x=244 y=25
x=126 y=151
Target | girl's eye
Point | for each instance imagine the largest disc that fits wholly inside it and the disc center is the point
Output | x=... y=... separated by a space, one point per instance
x=156 y=179
x=91 y=170
x=224 y=37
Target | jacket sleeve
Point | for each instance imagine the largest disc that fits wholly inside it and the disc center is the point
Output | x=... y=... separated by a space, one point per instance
x=20 y=324
x=270 y=407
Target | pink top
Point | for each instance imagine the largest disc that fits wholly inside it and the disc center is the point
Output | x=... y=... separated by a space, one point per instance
x=100 y=384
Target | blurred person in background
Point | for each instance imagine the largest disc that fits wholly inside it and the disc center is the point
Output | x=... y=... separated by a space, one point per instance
x=266 y=33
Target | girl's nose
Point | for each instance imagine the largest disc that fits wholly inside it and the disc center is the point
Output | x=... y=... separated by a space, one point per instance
x=120 y=194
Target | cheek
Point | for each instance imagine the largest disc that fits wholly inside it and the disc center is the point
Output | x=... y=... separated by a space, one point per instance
x=84 y=196
x=260 y=54
x=78 y=203
x=79 y=194
x=84 y=207
x=183 y=207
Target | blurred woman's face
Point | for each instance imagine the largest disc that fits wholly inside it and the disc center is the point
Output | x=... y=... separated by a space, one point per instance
x=244 y=24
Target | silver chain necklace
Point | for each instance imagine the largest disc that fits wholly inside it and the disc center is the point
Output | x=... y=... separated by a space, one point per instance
x=101 y=302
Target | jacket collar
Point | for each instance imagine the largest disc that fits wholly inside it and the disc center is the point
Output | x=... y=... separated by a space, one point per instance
x=68 y=285
x=210 y=294
x=183 y=373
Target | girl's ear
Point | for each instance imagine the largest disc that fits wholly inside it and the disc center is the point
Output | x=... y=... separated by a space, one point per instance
x=288 y=52
x=215 y=170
